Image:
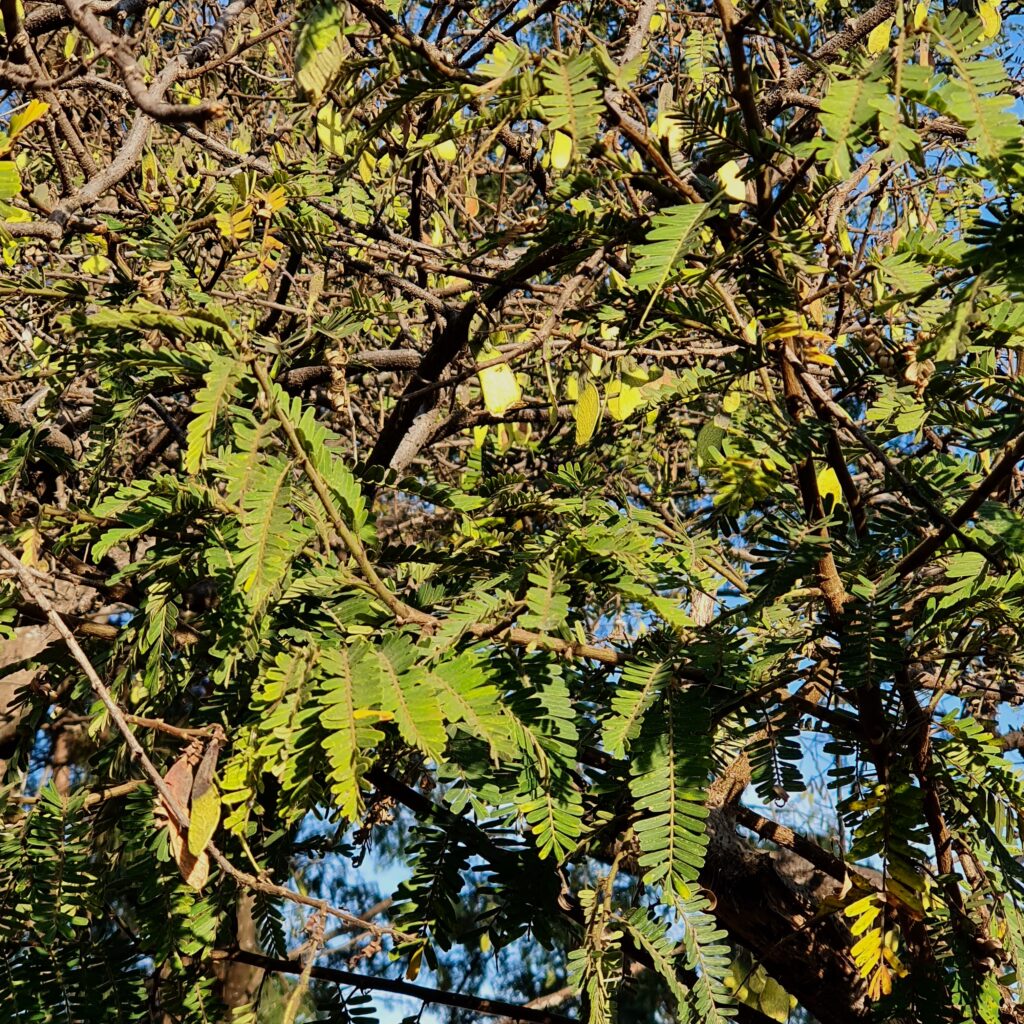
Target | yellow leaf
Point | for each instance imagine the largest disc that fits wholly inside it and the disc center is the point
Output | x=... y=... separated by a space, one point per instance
x=376 y=715
x=729 y=178
x=812 y=354
x=991 y=22
x=671 y=130
x=10 y=179
x=330 y=129
x=96 y=264
x=920 y=14
x=446 y=150
x=881 y=982
x=868 y=949
x=367 y=162
x=588 y=411
x=498 y=383
x=561 y=151
x=195 y=870
x=788 y=327
x=31 y=550
x=863 y=923
x=861 y=906
x=829 y=489
x=29 y=115
x=236 y=226
x=624 y=399
x=274 y=200
x=204 y=818
x=880 y=35
x=731 y=402
x=413 y=970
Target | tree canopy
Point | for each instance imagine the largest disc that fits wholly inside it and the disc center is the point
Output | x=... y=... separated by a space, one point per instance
x=511 y=506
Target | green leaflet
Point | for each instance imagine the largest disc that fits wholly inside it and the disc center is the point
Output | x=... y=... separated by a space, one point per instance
x=205 y=326
x=547 y=601
x=547 y=795
x=321 y=445
x=469 y=699
x=271 y=535
x=673 y=234
x=572 y=101
x=652 y=936
x=640 y=685
x=977 y=96
x=669 y=775
x=241 y=465
x=216 y=393
x=596 y=967
x=321 y=49
x=552 y=810
x=407 y=694
x=849 y=105
x=350 y=697
x=699 y=53
x=282 y=737
x=710 y=957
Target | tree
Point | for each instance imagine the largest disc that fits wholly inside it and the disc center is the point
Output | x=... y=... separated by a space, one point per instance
x=511 y=447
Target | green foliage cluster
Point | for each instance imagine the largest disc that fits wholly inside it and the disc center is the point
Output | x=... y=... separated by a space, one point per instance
x=519 y=446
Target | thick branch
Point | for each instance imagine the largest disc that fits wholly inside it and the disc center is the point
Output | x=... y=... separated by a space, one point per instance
x=149 y=99
x=1012 y=454
x=487 y=1007
x=855 y=32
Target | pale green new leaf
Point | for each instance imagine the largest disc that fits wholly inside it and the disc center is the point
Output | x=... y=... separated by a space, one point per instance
x=321 y=50
x=979 y=96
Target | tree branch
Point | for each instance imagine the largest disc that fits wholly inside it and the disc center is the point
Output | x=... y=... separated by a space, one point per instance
x=487 y=1007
